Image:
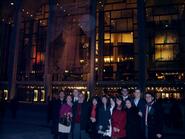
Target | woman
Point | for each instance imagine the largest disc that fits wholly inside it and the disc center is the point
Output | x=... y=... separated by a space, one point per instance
x=104 y=117
x=66 y=113
x=119 y=120
x=133 y=129
x=92 y=127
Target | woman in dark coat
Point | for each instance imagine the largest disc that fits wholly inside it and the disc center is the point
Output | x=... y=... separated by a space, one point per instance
x=104 y=117
x=92 y=124
x=133 y=129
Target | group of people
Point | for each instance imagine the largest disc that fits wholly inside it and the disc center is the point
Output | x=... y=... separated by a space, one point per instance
x=122 y=116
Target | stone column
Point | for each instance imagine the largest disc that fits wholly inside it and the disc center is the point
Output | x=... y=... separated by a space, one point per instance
x=47 y=74
x=91 y=79
x=141 y=44
x=14 y=49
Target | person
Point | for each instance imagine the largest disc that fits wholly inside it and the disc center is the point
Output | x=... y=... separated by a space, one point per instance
x=80 y=118
x=55 y=107
x=62 y=97
x=92 y=125
x=124 y=93
x=66 y=112
x=153 y=118
x=140 y=104
x=133 y=129
x=104 y=118
x=119 y=120
x=75 y=95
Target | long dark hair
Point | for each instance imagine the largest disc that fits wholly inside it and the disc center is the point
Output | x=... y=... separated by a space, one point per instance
x=108 y=101
x=122 y=102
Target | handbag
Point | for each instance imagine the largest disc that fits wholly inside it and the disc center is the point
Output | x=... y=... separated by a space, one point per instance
x=65 y=121
x=63 y=128
x=64 y=125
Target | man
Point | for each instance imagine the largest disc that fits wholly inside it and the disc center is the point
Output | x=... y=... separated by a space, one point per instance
x=75 y=95
x=62 y=97
x=80 y=118
x=139 y=102
x=153 y=118
x=124 y=93
x=140 y=105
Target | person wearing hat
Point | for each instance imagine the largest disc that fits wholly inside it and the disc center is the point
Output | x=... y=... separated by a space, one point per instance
x=153 y=118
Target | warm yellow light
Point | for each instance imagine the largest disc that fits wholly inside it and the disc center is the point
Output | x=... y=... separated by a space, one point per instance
x=116 y=38
x=6 y=94
x=43 y=95
x=96 y=60
x=66 y=71
x=167 y=95
x=35 y=95
x=164 y=52
x=81 y=61
x=108 y=59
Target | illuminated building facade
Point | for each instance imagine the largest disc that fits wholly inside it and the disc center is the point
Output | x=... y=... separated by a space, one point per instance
x=92 y=45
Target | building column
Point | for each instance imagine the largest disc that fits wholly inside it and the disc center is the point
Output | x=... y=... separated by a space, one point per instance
x=141 y=44
x=47 y=74
x=14 y=49
x=91 y=79
x=100 y=44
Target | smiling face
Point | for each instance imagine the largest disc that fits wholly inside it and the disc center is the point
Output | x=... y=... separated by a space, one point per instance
x=81 y=98
x=94 y=102
x=128 y=104
x=69 y=99
x=149 y=98
x=137 y=93
x=124 y=92
x=118 y=102
x=104 y=100
x=62 y=95
x=75 y=93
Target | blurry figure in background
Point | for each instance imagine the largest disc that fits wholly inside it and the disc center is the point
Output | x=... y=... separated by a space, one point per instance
x=14 y=104
x=140 y=104
x=124 y=93
x=133 y=125
x=119 y=120
x=66 y=116
x=92 y=125
x=80 y=118
x=75 y=95
x=55 y=107
x=153 y=118
x=104 y=118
